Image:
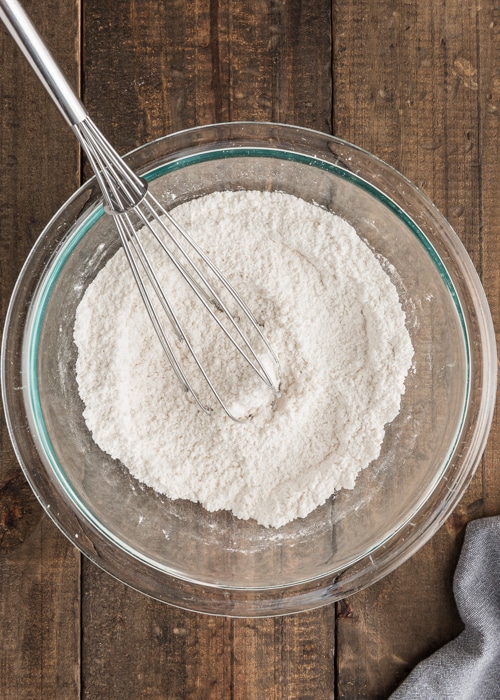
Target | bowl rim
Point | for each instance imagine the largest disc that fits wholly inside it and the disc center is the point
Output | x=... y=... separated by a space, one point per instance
x=413 y=542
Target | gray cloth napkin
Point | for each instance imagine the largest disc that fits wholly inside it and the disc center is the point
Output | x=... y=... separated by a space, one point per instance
x=467 y=668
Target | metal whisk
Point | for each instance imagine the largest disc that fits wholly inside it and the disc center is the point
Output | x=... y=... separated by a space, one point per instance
x=133 y=207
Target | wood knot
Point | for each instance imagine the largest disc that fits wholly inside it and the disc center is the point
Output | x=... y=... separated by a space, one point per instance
x=9 y=517
x=19 y=512
x=344 y=609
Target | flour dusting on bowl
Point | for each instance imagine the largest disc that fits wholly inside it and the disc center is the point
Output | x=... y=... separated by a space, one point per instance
x=331 y=314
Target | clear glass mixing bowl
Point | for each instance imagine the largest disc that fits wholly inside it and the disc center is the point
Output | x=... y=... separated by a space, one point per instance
x=176 y=551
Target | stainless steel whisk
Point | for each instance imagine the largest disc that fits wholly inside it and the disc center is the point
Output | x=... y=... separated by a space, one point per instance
x=128 y=199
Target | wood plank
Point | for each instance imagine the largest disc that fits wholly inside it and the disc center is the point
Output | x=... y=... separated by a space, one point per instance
x=148 y=68
x=286 y=658
x=39 y=569
x=135 y=647
x=186 y=655
x=195 y=64
x=488 y=82
x=40 y=613
x=308 y=667
x=406 y=89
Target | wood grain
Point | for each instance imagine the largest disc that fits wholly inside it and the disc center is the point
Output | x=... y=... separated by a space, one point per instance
x=488 y=85
x=135 y=647
x=39 y=569
x=407 y=88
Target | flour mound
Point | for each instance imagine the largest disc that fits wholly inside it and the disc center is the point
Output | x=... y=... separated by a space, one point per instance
x=331 y=314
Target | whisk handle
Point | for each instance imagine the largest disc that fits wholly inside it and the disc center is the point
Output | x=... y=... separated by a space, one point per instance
x=34 y=48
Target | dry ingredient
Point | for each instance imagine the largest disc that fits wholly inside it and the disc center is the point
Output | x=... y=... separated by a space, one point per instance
x=333 y=317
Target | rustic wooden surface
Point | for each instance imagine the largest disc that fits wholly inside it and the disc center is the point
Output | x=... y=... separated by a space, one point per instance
x=417 y=83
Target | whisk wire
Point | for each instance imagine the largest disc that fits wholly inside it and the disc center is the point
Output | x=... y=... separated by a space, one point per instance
x=163 y=300
x=133 y=239
x=130 y=240
x=256 y=364
x=157 y=325
x=135 y=242
x=107 y=177
x=122 y=198
x=125 y=193
x=221 y=278
x=126 y=187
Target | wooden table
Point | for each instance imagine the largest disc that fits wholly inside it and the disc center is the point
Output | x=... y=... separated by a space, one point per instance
x=415 y=82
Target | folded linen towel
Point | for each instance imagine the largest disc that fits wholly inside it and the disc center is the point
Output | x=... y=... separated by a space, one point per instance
x=467 y=668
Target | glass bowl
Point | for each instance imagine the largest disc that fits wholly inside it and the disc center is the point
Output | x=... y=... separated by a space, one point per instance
x=176 y=551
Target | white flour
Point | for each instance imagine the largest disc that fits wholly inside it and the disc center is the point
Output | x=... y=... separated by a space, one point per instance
x=335 y=321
